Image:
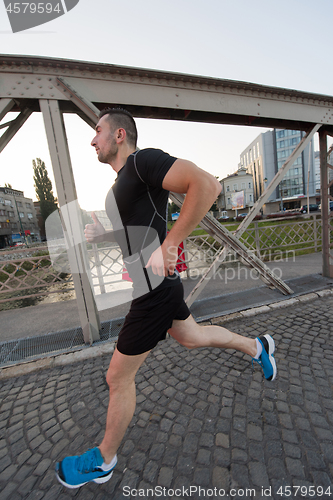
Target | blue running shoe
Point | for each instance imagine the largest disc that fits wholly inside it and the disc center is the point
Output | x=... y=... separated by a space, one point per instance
x=76 y=471
x=266 y=359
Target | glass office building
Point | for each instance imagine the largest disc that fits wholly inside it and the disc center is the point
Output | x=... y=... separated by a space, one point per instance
x=293 y=182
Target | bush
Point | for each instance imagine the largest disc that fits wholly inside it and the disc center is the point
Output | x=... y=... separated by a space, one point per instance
x=282 y=214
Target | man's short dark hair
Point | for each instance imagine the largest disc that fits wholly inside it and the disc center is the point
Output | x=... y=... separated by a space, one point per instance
x=121 y=118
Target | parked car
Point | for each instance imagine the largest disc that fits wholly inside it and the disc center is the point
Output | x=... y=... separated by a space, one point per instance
x=240 y=217
x=223 y=218
x=331 y=206
x=313 y=208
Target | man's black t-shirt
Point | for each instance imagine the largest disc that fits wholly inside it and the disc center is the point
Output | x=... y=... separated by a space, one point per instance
x=137 y=206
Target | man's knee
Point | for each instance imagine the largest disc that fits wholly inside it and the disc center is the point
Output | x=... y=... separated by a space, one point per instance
x=116 y=382
x=122 y=370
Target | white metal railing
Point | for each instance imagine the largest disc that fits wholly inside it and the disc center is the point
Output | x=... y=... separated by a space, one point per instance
x=29 y=273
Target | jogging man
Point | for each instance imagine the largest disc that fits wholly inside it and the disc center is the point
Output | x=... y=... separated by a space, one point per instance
x=137 y=207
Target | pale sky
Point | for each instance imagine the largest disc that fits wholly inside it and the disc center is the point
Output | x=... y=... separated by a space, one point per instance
x=283 y=44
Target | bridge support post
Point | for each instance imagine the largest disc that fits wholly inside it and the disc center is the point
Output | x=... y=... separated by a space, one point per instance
x=77 y=252
x=326 y=214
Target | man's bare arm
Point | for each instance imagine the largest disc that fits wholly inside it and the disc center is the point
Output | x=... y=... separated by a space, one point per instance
x=201 y=190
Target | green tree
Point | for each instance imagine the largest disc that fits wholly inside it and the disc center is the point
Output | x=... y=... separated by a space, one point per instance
x=43 y=188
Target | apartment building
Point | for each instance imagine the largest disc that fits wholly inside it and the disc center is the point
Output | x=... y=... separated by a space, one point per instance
x=237 y=192
x=18 y=219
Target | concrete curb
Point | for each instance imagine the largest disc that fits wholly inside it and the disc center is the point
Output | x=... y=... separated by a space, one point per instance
x=62 y=359
x=26 y=367
x=267 y=308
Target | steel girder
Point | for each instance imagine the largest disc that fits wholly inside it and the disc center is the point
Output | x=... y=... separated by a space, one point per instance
x=159 y=94
x=13 y=127
x=5 y=106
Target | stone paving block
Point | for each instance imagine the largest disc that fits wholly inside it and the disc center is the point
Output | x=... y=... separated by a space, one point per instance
x=165 y=477
x=258 y=474
x=170 y=456
x=8 y=490
x=254 y=432
x=150 y=471
x=137 y=460
x=26 y=486
x=185 y=465
x=157 y=451
x=190 y=444
x=4 y=462
x=322 y=479
x=53 y=492
x=202 y=476
x=8 y=472
x=206 y=439
x=295 y=467
x=239 y=476
x=220 y=478
x=34 y=459
x=203 y=457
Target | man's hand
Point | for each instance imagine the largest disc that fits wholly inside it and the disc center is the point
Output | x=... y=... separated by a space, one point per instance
x=94 y=233
x=163 y=260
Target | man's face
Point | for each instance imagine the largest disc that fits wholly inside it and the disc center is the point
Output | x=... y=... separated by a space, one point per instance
x=104 y=141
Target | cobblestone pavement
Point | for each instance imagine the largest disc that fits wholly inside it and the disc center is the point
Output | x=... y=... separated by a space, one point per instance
x=204 y=419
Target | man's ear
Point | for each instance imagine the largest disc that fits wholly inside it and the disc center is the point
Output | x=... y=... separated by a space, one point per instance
x=120 y=135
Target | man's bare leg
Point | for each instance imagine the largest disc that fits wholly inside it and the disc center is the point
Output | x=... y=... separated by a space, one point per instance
x=122 y=400
x=190 y=334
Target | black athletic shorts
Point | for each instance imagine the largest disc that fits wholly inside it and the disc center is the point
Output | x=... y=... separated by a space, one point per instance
x=149 y=319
